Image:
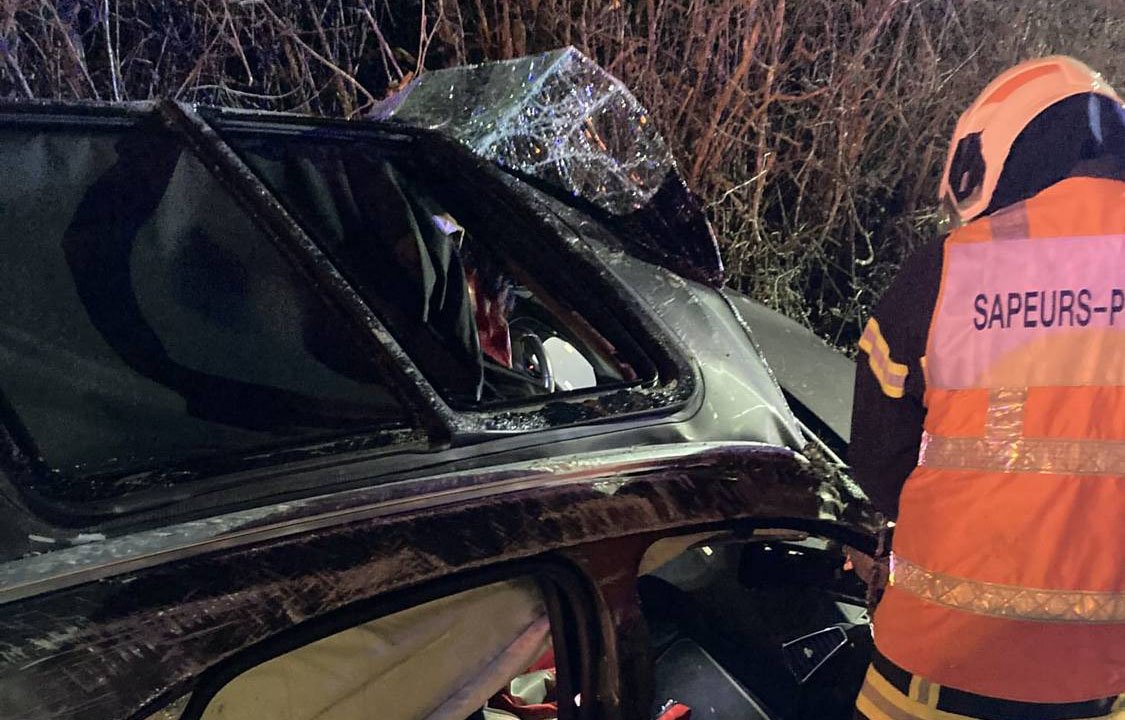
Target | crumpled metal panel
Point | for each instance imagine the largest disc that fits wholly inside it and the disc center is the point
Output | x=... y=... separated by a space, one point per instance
x=109 y=648
x=556 y=116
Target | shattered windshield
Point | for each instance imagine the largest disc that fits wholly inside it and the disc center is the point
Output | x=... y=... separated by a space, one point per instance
x=557 y=117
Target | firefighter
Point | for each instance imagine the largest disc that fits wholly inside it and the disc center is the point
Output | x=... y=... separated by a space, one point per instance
x=989 y=419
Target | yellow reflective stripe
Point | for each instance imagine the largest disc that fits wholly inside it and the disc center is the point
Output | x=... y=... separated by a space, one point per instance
x=928 y=693
x=891 y=375
x=875 y=707
x=1023 y=455
x=870 y=710
x=1007 y=601
x=923 y=691
x=915 y=687
x=879 y=700
x=873 y=343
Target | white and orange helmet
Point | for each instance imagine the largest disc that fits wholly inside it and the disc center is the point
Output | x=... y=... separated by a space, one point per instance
x=986 y=131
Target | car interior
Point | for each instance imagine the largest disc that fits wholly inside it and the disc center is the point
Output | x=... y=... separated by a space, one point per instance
x=480 y=654
x=437 y=270
x=797 y=646
x=759 y=624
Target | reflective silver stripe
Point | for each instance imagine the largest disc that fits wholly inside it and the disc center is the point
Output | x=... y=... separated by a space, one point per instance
x=1007 y=601
x=1024 y=455
x=1004 y=449
x=1005 y=413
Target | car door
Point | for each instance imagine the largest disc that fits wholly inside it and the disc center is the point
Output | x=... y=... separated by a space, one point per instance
x=124 y=627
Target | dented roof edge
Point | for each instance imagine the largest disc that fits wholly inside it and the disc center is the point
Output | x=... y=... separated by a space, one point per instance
x=93 y=557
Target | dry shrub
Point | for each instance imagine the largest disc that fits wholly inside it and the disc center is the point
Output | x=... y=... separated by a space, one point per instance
x=813 y=128
x=302 y=56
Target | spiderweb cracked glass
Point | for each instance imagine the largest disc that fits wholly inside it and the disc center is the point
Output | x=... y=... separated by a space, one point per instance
x=557 y=116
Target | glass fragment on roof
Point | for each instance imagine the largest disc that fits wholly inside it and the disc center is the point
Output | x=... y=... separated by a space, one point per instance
x=558 y=117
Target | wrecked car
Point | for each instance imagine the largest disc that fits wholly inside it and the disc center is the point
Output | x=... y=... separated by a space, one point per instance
x=439 y=414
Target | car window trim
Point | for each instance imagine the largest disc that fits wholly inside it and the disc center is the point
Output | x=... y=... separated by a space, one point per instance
x=306 y=255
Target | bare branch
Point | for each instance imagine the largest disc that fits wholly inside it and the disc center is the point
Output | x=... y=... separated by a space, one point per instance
x=114 y=70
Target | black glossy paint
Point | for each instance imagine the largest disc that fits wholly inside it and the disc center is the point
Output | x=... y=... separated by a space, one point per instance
x=674 y=232
x=105 y=649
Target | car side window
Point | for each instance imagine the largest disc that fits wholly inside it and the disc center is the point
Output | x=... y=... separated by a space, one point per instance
x=480 y=653
x=477 y=324
x=147 y=322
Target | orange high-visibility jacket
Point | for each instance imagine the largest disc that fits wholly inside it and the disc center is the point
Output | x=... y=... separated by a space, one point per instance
x=1008 y=568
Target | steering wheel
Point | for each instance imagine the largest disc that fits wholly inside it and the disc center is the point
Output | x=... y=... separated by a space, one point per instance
x=530 y=358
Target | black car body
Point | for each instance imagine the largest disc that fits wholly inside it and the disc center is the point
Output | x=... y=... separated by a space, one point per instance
x=247 y=405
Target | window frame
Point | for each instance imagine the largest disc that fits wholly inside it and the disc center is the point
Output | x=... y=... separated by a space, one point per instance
x=532 y=268
x=677 y=379
x=26 y=467
x=659 y=366
x=571 y=612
